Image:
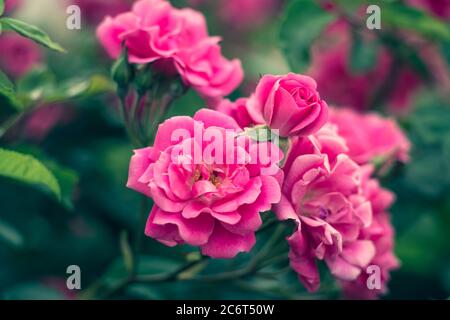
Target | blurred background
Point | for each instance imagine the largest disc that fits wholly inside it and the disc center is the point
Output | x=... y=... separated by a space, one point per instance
x=71 y=124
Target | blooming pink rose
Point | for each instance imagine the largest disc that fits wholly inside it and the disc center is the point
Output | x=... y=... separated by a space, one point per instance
x=331 y=69
x=237 y=110
x=204 y=68
x=289 y=103
x=323 y=195
x=381 y=233
x=201 y=199
x=150 y=31
x=95 y=10
x=18 y=55
x=154 y=31
x=369 y=136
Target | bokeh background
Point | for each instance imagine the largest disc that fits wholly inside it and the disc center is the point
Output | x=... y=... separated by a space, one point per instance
x=73 y=127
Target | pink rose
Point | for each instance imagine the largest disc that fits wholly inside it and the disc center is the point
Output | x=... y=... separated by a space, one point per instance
x=200 y=198
x=95 y=10
x=207 y=71
x=370 y=136
x=177 y=39
x=289 y=103
x=19 y=55
x=150 y=31
x=237 y=110
x=381 y=233
x=323 y=194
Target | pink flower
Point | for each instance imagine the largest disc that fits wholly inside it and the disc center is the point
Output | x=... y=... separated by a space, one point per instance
x=204 y=68
x=45 y=118
x=95 y=10
x=381 y=233
x=338 y=84
x=289 y=103
x=200 y=199
x=154 y=31
x=439 y=8
x=370 y=136
x=19 y=54
x=11 y=5
x=237 y=110
x=323 y=195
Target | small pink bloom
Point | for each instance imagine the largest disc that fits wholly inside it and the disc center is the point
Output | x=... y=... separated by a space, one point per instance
x=200 y=200
x=322 y=193
x=289 y=103
x=19 y=55
x=370 y=136
x=237 y=110
x=381 y=233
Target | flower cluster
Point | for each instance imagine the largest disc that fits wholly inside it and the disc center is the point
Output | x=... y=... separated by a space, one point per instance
x=211 y=177
x=175 y=41
x=329 y=189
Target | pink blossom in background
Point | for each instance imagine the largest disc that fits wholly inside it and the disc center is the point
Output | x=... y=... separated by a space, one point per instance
x=45 y=118
x=11 y=5
x=95 y=10
x=155 y=31
x=369 y=136
x=237 y=110
x=247 y=13
x=212 y=204
x=338 y=85
x=381 y=233
x=18 y=54
x=288 y=103
x=324 y=196
x=438 y=8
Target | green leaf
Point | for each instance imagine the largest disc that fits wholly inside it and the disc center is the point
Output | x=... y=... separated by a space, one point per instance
x=67 y=180
x=36 y=84
x=66 y=177
x=400 y=16
x=303 y=23
x=7 y=92
x=30 y=32
x=84 y=88
x=2 y=7
x=10 y=235
x=363 y=55
x=40 y=85
x=26 y=169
